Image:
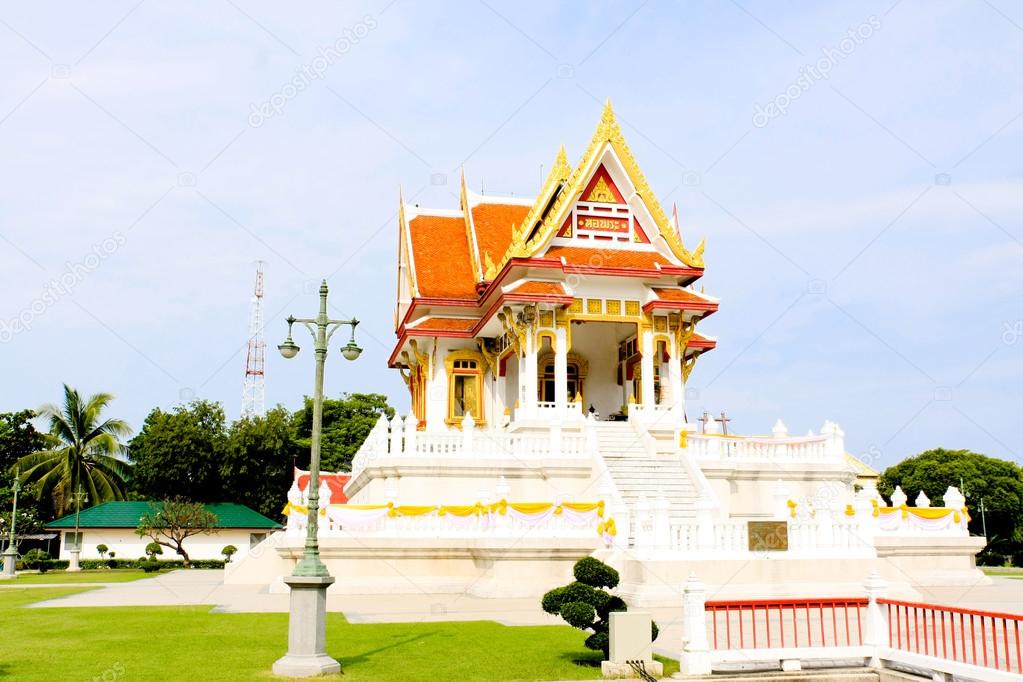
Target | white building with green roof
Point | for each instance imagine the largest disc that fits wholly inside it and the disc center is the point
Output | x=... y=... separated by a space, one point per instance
x=113 y=524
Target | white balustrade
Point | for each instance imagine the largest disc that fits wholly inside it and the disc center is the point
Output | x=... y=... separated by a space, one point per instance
x=400 y=438
x=778 y=447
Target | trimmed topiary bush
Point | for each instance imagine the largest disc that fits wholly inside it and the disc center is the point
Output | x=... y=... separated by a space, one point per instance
x=228 y=552
x=585 y=604
x=36 y=559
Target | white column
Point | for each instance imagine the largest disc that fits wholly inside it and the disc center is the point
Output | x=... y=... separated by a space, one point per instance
x=528 y=376
x=561 y=371
x=695 y=658
x=678 y=402
x=396 y=429
x=647 y=368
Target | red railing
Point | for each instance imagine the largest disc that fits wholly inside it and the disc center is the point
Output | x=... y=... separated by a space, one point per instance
x=983 y=638
x=766 y=624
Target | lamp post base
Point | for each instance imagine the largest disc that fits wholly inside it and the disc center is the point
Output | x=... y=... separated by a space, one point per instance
x=10 y=559
x=307 y=630
x=73 y=564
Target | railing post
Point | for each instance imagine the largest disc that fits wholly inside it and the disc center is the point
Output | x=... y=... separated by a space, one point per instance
x=661 y=525
x=411 y=426
x=396 y=427
x=695 y=658
x=781 y=501
x=955 y=500
x=468 y=427
x=825 y=523
x=705 y=523
x=644 y=523
x=590 y=432
x=623 y=523
x=875 y=631
x=324 y=502
x=555 y=436
x=294 y=517
x=922 y=500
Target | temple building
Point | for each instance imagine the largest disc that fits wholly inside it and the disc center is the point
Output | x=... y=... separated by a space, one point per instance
x=546 y=344
x=582 y=299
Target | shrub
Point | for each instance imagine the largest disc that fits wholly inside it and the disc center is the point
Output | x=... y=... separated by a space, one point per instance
x=150 y=565
x=988 y=558
x=585 y=604
x=102 y=549
x=153 y=549
x=228 y=552
x=36 y=559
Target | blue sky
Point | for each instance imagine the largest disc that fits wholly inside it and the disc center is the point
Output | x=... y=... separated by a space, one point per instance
x=866 y=243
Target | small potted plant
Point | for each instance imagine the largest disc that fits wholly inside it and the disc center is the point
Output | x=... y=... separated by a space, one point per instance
x=228 y=552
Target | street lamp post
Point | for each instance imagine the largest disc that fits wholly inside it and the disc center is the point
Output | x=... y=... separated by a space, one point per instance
x=76 y=551
x=11 y=553
x=307 y=623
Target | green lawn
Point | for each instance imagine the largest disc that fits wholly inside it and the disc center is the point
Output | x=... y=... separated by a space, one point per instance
x=108 y=575
x=1004 y=572
x=175 y=643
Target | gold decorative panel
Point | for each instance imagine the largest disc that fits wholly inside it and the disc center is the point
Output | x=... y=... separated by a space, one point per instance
x=660 y=324
x=614 y=307
x=577 y=306
x=632 y=308
x=594 y=306
x=546 y=318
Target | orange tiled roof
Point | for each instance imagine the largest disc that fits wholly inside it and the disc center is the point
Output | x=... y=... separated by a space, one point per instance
x=445 y=324
x=680 y=295
x=441 y=255
x=607 y=258
x=493 y=223
x=539 y=289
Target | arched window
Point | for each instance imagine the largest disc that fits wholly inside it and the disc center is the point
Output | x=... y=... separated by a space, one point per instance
x=465 y=386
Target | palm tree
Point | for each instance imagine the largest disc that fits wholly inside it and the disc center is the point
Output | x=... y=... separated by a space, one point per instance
x=83 y=452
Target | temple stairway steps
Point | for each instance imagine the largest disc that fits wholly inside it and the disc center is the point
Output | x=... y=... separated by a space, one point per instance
x=637 y=472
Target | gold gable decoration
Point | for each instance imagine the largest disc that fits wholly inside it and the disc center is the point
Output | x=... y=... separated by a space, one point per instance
x=601 y=193
x=608 y=132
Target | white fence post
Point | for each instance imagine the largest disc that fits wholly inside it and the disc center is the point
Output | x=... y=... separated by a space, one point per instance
x=468 y=427
x=411 y=426
x=555 y=436
x=705 y=523
x=875 y=631
x=644 y=524
x=396 y=427
x=661 y=525
x=695 y=658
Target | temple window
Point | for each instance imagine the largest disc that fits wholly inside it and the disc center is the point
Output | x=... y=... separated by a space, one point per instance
x=465 y=386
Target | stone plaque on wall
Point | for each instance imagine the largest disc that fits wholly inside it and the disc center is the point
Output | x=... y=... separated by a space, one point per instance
x=768 y=536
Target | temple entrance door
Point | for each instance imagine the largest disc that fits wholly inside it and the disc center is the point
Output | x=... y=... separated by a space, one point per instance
x=545 y=389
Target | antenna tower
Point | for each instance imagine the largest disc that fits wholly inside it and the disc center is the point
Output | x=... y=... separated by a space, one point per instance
x=254 y=387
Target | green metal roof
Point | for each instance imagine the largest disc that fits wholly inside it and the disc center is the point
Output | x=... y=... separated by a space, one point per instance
x=127 y=515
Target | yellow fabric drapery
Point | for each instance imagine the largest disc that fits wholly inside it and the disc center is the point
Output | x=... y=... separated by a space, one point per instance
x=412 y=510
x=461 y=510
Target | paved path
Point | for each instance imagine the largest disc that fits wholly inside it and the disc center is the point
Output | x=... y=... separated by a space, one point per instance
x=201 y=587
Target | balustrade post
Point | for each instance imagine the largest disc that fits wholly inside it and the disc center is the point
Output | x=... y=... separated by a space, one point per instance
x=954 y=499
x=411 y=427
x=875 y=630
x=922 y=500
x=705 y=523
x=661 y=524
x=294 y=517
x=501 y=492
x=781 y=501
x=899 y=498
x=623 y=523
x=468 y=429
x=324 y=502
x=396 y=428
x=644 y=523
x=825 y=519
x=555 y=436
x=695 y=659
x=590 y=432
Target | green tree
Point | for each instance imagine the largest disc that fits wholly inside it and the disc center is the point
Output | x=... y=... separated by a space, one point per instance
x=256 y=468
x=346 y=423
x=586 y=604
x=177 y=454
x=84 y=450
x=18 y=438
x=171 y=522
x=998 y=482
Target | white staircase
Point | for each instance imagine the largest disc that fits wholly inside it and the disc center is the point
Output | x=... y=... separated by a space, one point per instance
x=638 y=472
